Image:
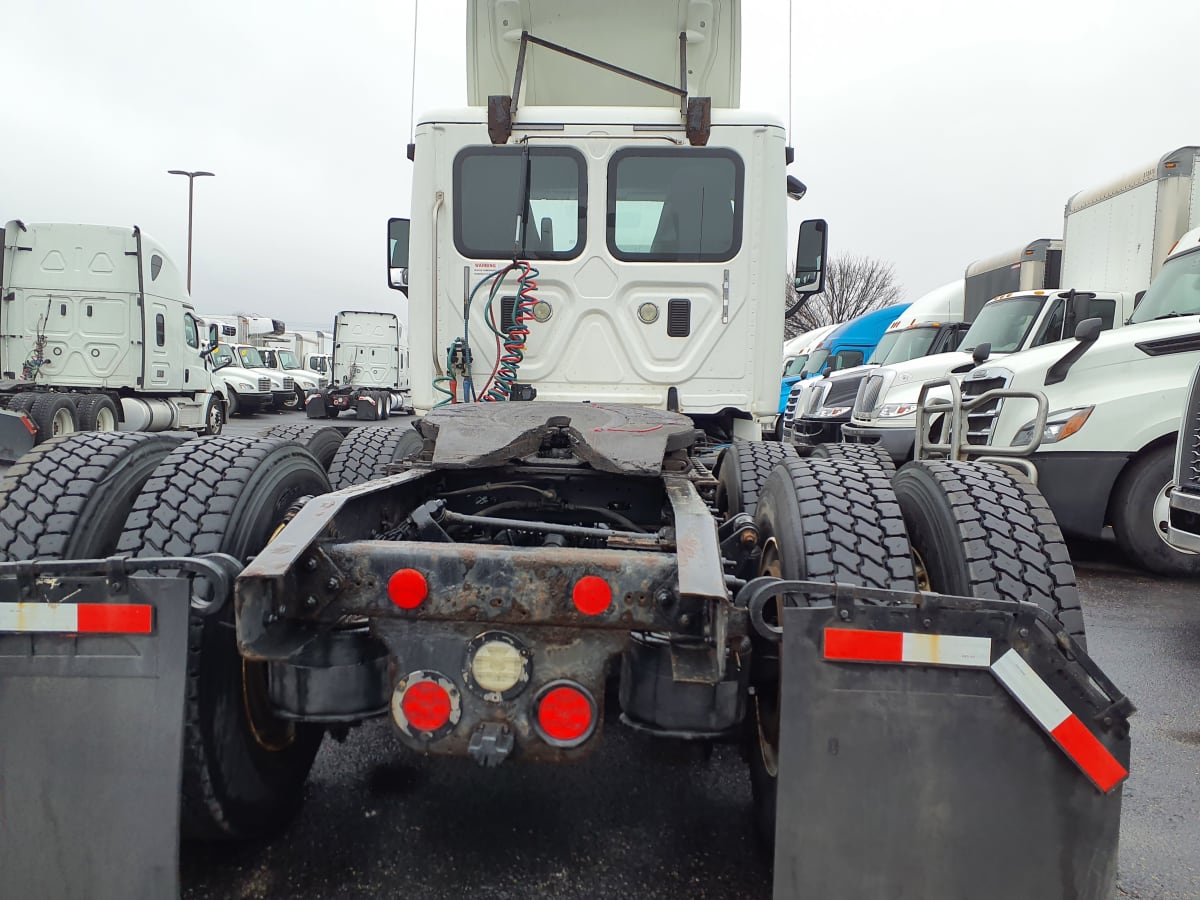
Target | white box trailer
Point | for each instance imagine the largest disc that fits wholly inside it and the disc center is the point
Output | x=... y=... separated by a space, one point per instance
x=1116 y=236
x=97 y=333
x=370 y=368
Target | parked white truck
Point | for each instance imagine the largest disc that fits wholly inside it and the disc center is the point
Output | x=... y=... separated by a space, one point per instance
x=97 y=333
x=818 y=408
x=370 y=368
x=1115 y=239
x=1115 y=402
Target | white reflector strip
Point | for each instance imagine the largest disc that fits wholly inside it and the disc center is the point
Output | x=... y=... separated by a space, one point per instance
x=1030 y=691
x=860 y=645
x=75 y=618
x=948 y=650
x=1064 y=727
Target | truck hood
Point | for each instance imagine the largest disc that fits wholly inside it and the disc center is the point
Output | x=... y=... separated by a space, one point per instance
x=238 y=377
x=904 y=379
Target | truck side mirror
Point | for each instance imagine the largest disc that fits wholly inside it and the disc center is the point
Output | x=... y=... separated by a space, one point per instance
x=398 y=254
x=811 y=246
x=1088 y=330
x=981 y=352
x=214 y=337
x=796 y=188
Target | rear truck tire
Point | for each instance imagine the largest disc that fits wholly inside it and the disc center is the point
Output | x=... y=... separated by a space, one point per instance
x=235 y=406
x=300 y=398
x=96 y=412
x=22 y=403
x=823 y=520
x=68 y=498
x=982 y=530
x=365 y=452
x=54 y=415
x=214 y=416
x=243 y=768
x=1140 y=506
x=742 y=471
x=322 y=441
x=860 y=454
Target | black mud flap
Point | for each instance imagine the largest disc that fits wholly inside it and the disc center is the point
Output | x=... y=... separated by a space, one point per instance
x=314 y=407
x=18 y=434
x=954 y=749
x=92 y=672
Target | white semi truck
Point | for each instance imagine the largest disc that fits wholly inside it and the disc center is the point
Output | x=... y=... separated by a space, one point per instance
x=97 y=333
x=1115 y=239
x=489 y=578
x=817 y=408
x=370 y=368
x=1114 y=403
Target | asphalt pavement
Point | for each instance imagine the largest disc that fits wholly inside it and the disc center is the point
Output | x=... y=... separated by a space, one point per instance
x=637 y=818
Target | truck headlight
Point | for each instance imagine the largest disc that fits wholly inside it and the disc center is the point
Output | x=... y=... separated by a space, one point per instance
x=894 y=410
x=1060 y=424
x=831 y=412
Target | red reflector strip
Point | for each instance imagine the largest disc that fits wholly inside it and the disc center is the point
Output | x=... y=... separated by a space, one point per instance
x=1063 y=726
x=857 y=645
x=76 y=618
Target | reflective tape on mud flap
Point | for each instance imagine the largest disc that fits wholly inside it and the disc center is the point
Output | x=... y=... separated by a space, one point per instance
x=76 y=618
x=1011 y=670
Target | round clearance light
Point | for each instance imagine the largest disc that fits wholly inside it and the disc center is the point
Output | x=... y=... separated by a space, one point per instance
x=497 y=666
x=542 y=311
x=408 y=588
x=566 y=714
x=591 y=595
x=426 y=705
x=648 y=313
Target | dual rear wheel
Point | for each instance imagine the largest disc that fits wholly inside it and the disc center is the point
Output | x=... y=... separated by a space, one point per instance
x=956 y=528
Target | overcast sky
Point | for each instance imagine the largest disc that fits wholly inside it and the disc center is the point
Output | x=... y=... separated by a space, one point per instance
x=930 y=133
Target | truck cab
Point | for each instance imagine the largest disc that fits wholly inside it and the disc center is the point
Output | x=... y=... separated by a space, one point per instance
x=884 y=410
x=931 y=325
x=1115 y=399
x=252 y=386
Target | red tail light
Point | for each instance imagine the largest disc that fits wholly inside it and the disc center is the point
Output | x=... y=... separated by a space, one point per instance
x=408 y=588
x=426 y=705
x=591 y=595
x=566 y=714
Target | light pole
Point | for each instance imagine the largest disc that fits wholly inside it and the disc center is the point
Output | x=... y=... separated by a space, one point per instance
x=191 y=177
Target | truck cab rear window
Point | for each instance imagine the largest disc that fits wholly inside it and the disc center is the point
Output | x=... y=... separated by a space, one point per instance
x=675 y=205
x=488 y=187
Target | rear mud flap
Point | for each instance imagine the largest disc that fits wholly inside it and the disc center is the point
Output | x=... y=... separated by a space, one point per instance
x=92 y=673
x=314 y=407
x=993 y=772
x=17 y=436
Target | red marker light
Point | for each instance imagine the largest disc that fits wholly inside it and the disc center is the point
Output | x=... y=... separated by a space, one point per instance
x=566 y=715
x=408 y=588
x=591 y=595
x=426 y=705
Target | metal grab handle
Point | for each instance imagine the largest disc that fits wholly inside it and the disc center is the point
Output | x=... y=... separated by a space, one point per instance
x=958 y=447
x=219 y=569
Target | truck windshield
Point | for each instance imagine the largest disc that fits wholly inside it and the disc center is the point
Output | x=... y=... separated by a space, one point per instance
x=675 y=204
x=816 y=361
x=1004 y=324
x=796 y=366
x=488 y=184
x=250 y=357
x=1175 y=292
x=911 y=343
x=886 y=343
x=221 y=356
x=287 y=359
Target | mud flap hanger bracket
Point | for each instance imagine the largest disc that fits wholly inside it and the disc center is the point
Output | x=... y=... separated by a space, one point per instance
x=950 y=614
x=217 y=570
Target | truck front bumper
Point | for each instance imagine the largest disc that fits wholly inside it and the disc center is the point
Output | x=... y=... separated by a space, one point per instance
x=808 y=432
x=255 y=401
x=898 y=442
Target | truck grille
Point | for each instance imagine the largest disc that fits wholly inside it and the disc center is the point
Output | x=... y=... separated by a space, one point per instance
x=264 y=384
x=814 y=399
x=868 y=397
x=842 y=391
x=789 y=411
x=982 y=421
x=289 y=384
x=1189 y=460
